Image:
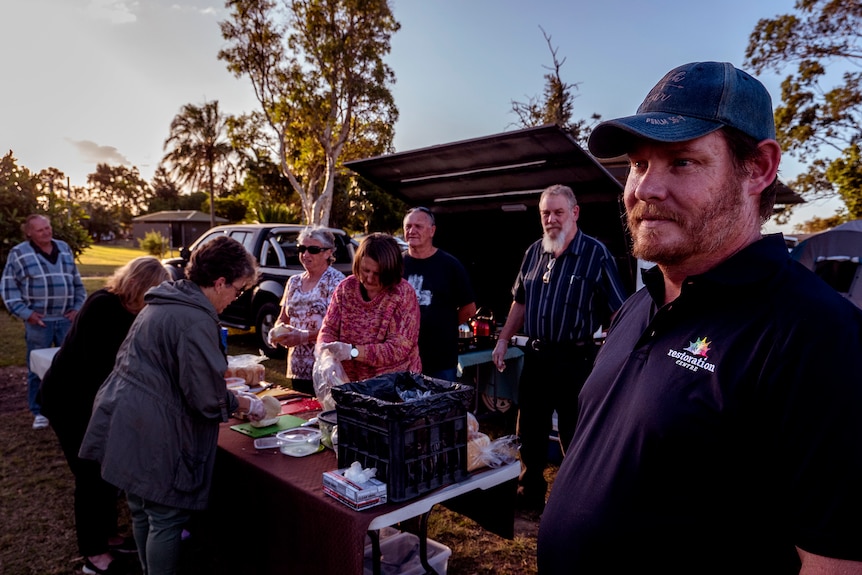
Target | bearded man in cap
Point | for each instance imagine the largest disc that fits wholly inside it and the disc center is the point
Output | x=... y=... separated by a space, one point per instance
x=720 y=430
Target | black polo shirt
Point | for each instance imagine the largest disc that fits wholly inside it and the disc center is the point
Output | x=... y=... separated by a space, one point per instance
x=582 y=291
x=718 y=431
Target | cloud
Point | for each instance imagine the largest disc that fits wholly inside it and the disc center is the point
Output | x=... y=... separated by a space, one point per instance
x=96 y=154
x=115 y=11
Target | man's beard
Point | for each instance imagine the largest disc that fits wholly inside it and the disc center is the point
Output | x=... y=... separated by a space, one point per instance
x=702 y=233
x=559 y=243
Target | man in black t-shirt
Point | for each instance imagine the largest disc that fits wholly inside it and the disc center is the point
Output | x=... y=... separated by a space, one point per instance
x=443 y=289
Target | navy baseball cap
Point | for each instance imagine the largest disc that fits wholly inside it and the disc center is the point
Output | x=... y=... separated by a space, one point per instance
x=691 y=101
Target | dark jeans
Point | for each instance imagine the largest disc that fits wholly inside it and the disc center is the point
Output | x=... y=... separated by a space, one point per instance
x=95 y=499
x=551 y=380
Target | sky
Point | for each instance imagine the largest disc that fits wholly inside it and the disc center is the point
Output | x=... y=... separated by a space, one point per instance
x=99 y=81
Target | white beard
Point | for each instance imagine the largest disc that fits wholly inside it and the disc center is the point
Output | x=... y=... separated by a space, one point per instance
x=559 y=243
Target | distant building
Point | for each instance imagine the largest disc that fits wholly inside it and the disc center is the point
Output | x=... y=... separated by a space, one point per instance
x=181 y=227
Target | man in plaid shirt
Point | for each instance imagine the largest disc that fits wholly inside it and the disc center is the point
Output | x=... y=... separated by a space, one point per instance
x=42 y=286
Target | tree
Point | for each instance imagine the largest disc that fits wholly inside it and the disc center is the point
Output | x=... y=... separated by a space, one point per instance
x=264 y=182
x=166 y=193
x=317 y=70
x=818 y=124
x=366 y=208
x=120 y=190
x=233 y=208
x=557 y=104
x=817 y=224
x=101 y=220
x=846 y=173
x=18 y=191
x=199 y=151
x=167 y=196
x=23 y=193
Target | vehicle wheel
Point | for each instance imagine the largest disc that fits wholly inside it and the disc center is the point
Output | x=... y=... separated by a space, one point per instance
x=266 y=316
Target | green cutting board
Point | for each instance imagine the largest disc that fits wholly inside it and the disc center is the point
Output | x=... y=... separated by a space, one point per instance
x=284 y=422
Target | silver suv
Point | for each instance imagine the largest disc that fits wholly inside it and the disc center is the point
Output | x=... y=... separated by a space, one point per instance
x=274 y=246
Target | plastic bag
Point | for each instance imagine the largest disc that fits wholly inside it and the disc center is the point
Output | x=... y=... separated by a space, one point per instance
x=248 y=367
x=404 y=396
x=327 y=373
x=484 y=452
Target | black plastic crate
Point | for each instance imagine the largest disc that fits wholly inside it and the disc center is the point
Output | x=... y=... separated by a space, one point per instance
x=418 y=444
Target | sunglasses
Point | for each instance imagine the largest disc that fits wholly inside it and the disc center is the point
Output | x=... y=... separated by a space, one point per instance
x=547 y=275
x=313 y=250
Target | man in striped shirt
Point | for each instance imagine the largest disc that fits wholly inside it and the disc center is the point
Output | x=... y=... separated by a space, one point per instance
x=41 y=285
x=566 y=290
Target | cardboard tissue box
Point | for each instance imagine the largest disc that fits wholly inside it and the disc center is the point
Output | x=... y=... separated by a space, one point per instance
x=357 y=496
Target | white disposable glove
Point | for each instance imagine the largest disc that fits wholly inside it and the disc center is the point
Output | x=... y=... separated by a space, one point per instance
x=271 y=405
x=256 y=408
x=339 y=349
x=288 y=336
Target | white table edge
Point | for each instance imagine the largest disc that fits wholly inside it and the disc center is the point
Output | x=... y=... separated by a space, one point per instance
x=483 y=480
x=40 y=360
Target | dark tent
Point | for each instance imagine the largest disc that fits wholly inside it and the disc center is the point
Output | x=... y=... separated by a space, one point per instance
x=834 y=256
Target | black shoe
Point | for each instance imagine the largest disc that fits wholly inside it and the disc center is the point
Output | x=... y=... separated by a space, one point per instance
x=126 y=546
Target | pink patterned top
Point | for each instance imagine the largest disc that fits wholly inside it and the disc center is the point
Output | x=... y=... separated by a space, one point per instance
x=387 y=327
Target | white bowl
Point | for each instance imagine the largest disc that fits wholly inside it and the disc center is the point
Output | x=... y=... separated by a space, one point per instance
x=299 y=441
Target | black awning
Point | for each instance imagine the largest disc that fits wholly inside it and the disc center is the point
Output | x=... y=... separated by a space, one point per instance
x=505 y=169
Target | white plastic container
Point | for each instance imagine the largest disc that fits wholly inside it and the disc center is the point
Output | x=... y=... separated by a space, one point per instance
x=299 y=441
x=399 y=555
x=235 y=384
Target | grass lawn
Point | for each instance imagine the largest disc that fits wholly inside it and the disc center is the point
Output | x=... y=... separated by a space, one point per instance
x=103 y=259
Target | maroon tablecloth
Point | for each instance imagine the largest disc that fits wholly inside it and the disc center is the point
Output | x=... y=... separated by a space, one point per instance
x=268 y=514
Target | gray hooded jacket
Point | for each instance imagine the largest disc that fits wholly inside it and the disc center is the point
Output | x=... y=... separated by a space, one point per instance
x=155 y=420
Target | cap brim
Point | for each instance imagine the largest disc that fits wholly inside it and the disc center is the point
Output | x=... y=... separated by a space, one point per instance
x=616 y=137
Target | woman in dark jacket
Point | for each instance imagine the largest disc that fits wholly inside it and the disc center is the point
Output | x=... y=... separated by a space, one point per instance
x=155 y=422
x=80 y=366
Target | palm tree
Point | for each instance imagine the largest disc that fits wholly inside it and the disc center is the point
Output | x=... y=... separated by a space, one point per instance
x=199 y=148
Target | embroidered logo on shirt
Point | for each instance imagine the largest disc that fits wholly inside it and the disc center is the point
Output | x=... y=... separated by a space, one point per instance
x=693 y=357
x=698 y=347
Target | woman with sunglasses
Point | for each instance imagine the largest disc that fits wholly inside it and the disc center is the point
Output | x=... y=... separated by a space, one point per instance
x=306 y=297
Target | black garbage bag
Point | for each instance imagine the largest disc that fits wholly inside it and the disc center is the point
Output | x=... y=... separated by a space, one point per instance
x=403 y=396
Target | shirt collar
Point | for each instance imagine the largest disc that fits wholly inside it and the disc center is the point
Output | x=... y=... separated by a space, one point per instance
x=753 y=264
x=41 y=251
x=575 y=246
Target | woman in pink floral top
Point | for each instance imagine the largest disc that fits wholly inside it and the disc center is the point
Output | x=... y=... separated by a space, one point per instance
x=306 y=298
x=372 y=324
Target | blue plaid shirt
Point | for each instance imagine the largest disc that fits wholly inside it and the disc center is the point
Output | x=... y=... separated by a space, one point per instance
x=31 y=283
